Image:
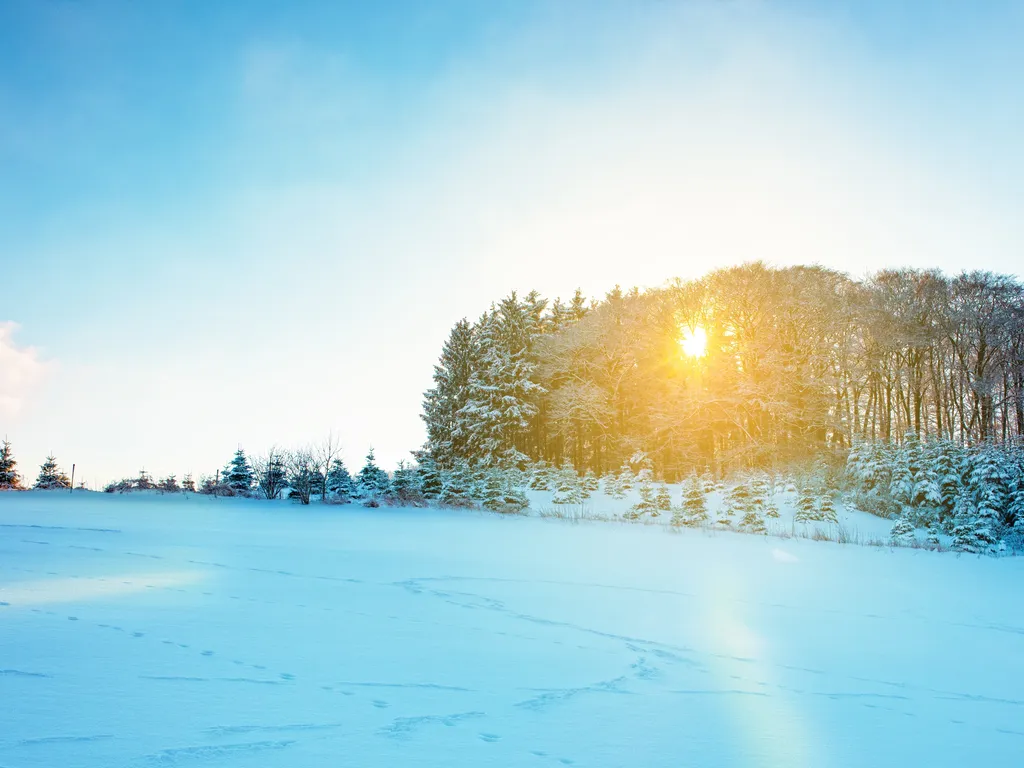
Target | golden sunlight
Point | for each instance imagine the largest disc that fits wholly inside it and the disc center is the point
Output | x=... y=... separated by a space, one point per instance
x=694 y=342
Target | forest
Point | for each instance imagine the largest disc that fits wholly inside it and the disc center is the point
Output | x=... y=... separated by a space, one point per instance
x=748 y=367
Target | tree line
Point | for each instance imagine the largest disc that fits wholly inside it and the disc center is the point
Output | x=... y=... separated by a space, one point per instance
x=799 y=362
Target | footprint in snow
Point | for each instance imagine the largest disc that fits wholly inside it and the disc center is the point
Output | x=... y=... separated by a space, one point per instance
x=287 y=676
x=380 y=704
x=206 y=653
x=490 y=738
x=72 y=618
x=137 y=634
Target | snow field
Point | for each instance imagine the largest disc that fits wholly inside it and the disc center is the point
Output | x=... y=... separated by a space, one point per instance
x=143 y=630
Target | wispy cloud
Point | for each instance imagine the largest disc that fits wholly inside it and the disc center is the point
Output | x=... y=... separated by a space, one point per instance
x=21 y=371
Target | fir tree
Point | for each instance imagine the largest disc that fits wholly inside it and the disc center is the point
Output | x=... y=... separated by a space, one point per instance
x=646 y=505
x=373 y=481
x=447 y=433
x=826 y=509
x=237 y=475
x=627 y=478
x=540 y=478
x=430 y=478
x=612 y=486
x=752 y=522
x=339 y=482
x=806 y=506
x=902 y=533
x=695 y=506
x=169 y=484
x=662 y=498
x=144 y=482
x=406 y=483
x=457 y=483
x=9 y=478
x=51 y=476
x=590 y=482
x=188 y=484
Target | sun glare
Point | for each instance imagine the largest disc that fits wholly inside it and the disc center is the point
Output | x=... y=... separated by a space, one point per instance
x=694 y=342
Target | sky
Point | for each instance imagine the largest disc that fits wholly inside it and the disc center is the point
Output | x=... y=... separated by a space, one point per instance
x=254 y=223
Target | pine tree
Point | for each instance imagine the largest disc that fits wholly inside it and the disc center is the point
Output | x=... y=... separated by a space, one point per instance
x=627 y=478
x=806 y=506
x=901 y=486
x=339 y=482
x=447 y=432
x=502 y=392
x=752 y=522
x=540 y=478
x=373 y=482
x=406 y=483
x=569 y=487
x=738 y=500
x=456 y=491
x=902 y=533
x=646 y=505
x=430 y=478
x=662 y=498
x=144 y=482
x=51 y=477
x=9 y=478
x=188 y=484
x=169 y=484
x=826 y=509
x=612 y=486
x=237 y=475
x=590 y=483
x=695 y=504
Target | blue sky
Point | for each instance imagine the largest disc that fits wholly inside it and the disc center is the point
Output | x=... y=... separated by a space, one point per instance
x=256 y=222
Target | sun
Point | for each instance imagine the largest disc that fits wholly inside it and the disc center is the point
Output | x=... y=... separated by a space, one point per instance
x=694 y=342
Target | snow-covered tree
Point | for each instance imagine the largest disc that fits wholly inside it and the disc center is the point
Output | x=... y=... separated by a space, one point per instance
x=339 y=482
x=752 y=522
x=51 y=476
x=405 y=484
x=540 y=477
x=457 y=489
x=827 y=508
x=902 y=532
x=591 y=484
x=373 y=482
x=806 y=504
x=646 y=504
x=431 y=483
x=694 y=509
x=500 y=493
x=237 y=475
x=612 y=486
x=627 y=478
x=662 y=498
x=447 y=435
x=502 y=393
x=9 y=478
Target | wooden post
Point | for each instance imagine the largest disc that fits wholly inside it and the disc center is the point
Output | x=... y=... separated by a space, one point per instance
x=72 y=479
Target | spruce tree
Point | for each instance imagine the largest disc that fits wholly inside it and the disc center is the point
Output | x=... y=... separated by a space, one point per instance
x=827 y=509
x=540 y=477
x=457 y=485
x=406 y=483
x=237 y=475
x=902 y=533
x=430 y=478
x=612 y=486
x=169 y=484
x=590 y=483
x=373 y=481
x=662 y=498
x=339 y=482
x=695 y=505
x=188 y=484
x=447 y=430
x=9 y=478
x=752 y=522
x=144 y=482
x=806 y=506
x=51 y=476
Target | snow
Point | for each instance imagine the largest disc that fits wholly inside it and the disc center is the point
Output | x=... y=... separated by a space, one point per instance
x=146 y=630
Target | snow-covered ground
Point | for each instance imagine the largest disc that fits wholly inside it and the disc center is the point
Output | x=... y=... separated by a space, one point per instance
x=151 y=631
